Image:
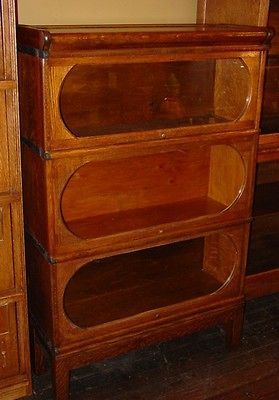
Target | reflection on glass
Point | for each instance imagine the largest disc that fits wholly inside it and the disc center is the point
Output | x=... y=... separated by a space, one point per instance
x=115 y=98
x=125 y=285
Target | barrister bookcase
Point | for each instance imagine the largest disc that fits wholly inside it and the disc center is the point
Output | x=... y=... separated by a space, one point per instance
x=14 y=353
x=263 y=260
x=139 y=155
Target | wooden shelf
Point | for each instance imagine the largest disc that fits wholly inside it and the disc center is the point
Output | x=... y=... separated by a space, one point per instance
x=126 y=285
x=184 y=183
x=125 y=221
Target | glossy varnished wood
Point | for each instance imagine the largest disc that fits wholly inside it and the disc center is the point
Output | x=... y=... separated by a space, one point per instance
x=51 y=281
x=158 y=193
x=15 y=379
x=176 y=116
x=144 y=216
x=62 y=39
x=131 y=327
x=163 y=107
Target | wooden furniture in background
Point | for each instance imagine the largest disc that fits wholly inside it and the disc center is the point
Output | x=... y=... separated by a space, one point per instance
x=139 y=151
x=263 y=259
x=248 y=12
x=14 y=353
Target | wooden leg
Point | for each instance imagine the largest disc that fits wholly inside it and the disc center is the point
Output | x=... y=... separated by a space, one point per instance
x=233 y=329
x=60 y=380
x=38 y=357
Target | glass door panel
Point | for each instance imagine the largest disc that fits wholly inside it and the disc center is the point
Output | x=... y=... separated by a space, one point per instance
x=117 y=98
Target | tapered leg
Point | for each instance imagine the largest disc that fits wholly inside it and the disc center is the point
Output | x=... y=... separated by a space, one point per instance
x=60 y=380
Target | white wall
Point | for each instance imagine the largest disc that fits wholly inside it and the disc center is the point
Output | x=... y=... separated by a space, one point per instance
x=106 y=11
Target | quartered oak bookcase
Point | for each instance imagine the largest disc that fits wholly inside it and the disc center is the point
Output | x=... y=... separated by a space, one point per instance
x=139 y=154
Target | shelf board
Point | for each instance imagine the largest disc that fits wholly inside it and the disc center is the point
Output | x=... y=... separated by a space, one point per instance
x=126 y=285
x=129 y=220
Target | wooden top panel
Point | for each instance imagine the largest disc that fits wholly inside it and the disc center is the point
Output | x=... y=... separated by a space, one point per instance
x=53 y=40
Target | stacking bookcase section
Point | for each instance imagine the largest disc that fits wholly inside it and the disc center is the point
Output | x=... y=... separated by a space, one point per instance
x=139 y=152
x=87 y=203
x=89 y=87
x=105 y=290
x=164 y=97
x=104 y=304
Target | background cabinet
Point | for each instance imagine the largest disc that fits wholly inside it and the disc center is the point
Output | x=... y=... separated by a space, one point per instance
x=14 y=354
x=263 y=260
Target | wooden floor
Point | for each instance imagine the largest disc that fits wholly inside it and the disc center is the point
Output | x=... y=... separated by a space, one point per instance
x=197 y=367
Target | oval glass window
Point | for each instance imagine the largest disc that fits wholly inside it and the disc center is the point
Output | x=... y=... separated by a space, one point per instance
x=113 y=196
x=125 y=285
x=118 y=98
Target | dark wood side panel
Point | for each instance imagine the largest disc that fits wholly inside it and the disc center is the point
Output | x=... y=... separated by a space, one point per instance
x=35 y=201
x=31 y=98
